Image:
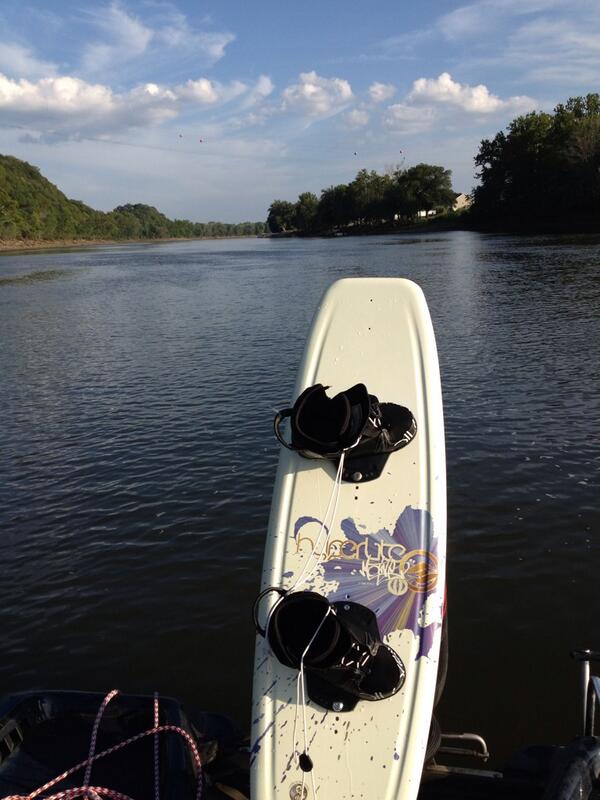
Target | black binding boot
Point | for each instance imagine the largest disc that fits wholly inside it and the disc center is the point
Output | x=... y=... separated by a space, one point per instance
x=346 y=661
x=353 y=421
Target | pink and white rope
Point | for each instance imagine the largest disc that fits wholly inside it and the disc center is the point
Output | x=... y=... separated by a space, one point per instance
x=88 y=792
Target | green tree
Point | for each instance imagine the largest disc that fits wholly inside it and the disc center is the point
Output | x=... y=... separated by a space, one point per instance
x=428 y=187
x=545 y=166
x=33 y=208
x=367 y=191
x=400 y=200
x=306 y=208
x=335 y=207
x=281 y=216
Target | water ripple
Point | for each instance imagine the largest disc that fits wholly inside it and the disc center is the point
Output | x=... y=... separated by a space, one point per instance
x=138 y=461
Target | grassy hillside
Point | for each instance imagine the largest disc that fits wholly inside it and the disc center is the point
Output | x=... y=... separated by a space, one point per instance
x=33 y=208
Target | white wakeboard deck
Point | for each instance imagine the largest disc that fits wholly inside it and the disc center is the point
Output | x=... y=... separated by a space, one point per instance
x=386 y=550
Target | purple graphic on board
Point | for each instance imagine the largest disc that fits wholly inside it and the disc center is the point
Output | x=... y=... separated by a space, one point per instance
x=392 y=573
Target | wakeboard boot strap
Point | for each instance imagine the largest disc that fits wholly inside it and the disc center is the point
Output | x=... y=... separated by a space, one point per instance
x=353 y=422
x=339 y=645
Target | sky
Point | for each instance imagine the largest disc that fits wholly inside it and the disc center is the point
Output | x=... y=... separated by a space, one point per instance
x=210 y=111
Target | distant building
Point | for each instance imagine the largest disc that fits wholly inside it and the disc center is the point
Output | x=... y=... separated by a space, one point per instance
x=431 y=213
x=461 y=201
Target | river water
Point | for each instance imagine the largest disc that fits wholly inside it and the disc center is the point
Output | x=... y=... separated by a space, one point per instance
x=137 y=390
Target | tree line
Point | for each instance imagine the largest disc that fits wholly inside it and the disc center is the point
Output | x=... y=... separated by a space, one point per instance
x=33 y=208
x=369 y=200
x=545 y=168
x=542 y=172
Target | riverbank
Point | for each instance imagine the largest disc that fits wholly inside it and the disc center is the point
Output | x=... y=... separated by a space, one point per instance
x=444 y=222
x=22 y=245
x=516 y=226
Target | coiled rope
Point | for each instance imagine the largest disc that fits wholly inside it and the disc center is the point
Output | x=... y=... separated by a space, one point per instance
x=100 y=792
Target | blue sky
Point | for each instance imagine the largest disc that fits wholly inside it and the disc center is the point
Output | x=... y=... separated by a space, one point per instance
x=211 y=111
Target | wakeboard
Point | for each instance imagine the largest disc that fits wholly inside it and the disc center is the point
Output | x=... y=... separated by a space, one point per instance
x=385 y=548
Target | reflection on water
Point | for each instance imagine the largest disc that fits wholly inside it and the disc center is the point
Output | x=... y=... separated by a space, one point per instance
x=403 y=241
x=33 y=277
x=137 y=461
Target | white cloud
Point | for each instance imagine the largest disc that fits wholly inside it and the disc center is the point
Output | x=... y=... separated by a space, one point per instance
x=206 y=92
x=562 y=50
x=125 y=37
x=476 y=18
x=444 y=101
x=259 y=115
x=443 y=90
x=20 y=62
x=254 y=103
x=317 y=96
x=542 y=41
x=68 y=107
x=201 y=90
x=213 y=45
x=128 y=38
x=379 y=92
x=73 y=106
x=404 y=118
x=54 y=94
x=463 y=21
x=175 y=31
x=263 y=87
x=357 y=118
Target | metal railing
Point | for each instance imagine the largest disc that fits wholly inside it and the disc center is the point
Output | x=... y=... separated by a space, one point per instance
x=590 y=688
x=464 y=744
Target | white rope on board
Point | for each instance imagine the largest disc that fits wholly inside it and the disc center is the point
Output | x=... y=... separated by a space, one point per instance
x=325 y=528
x=312 y=564
x=301 y=701
x=305 y=575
